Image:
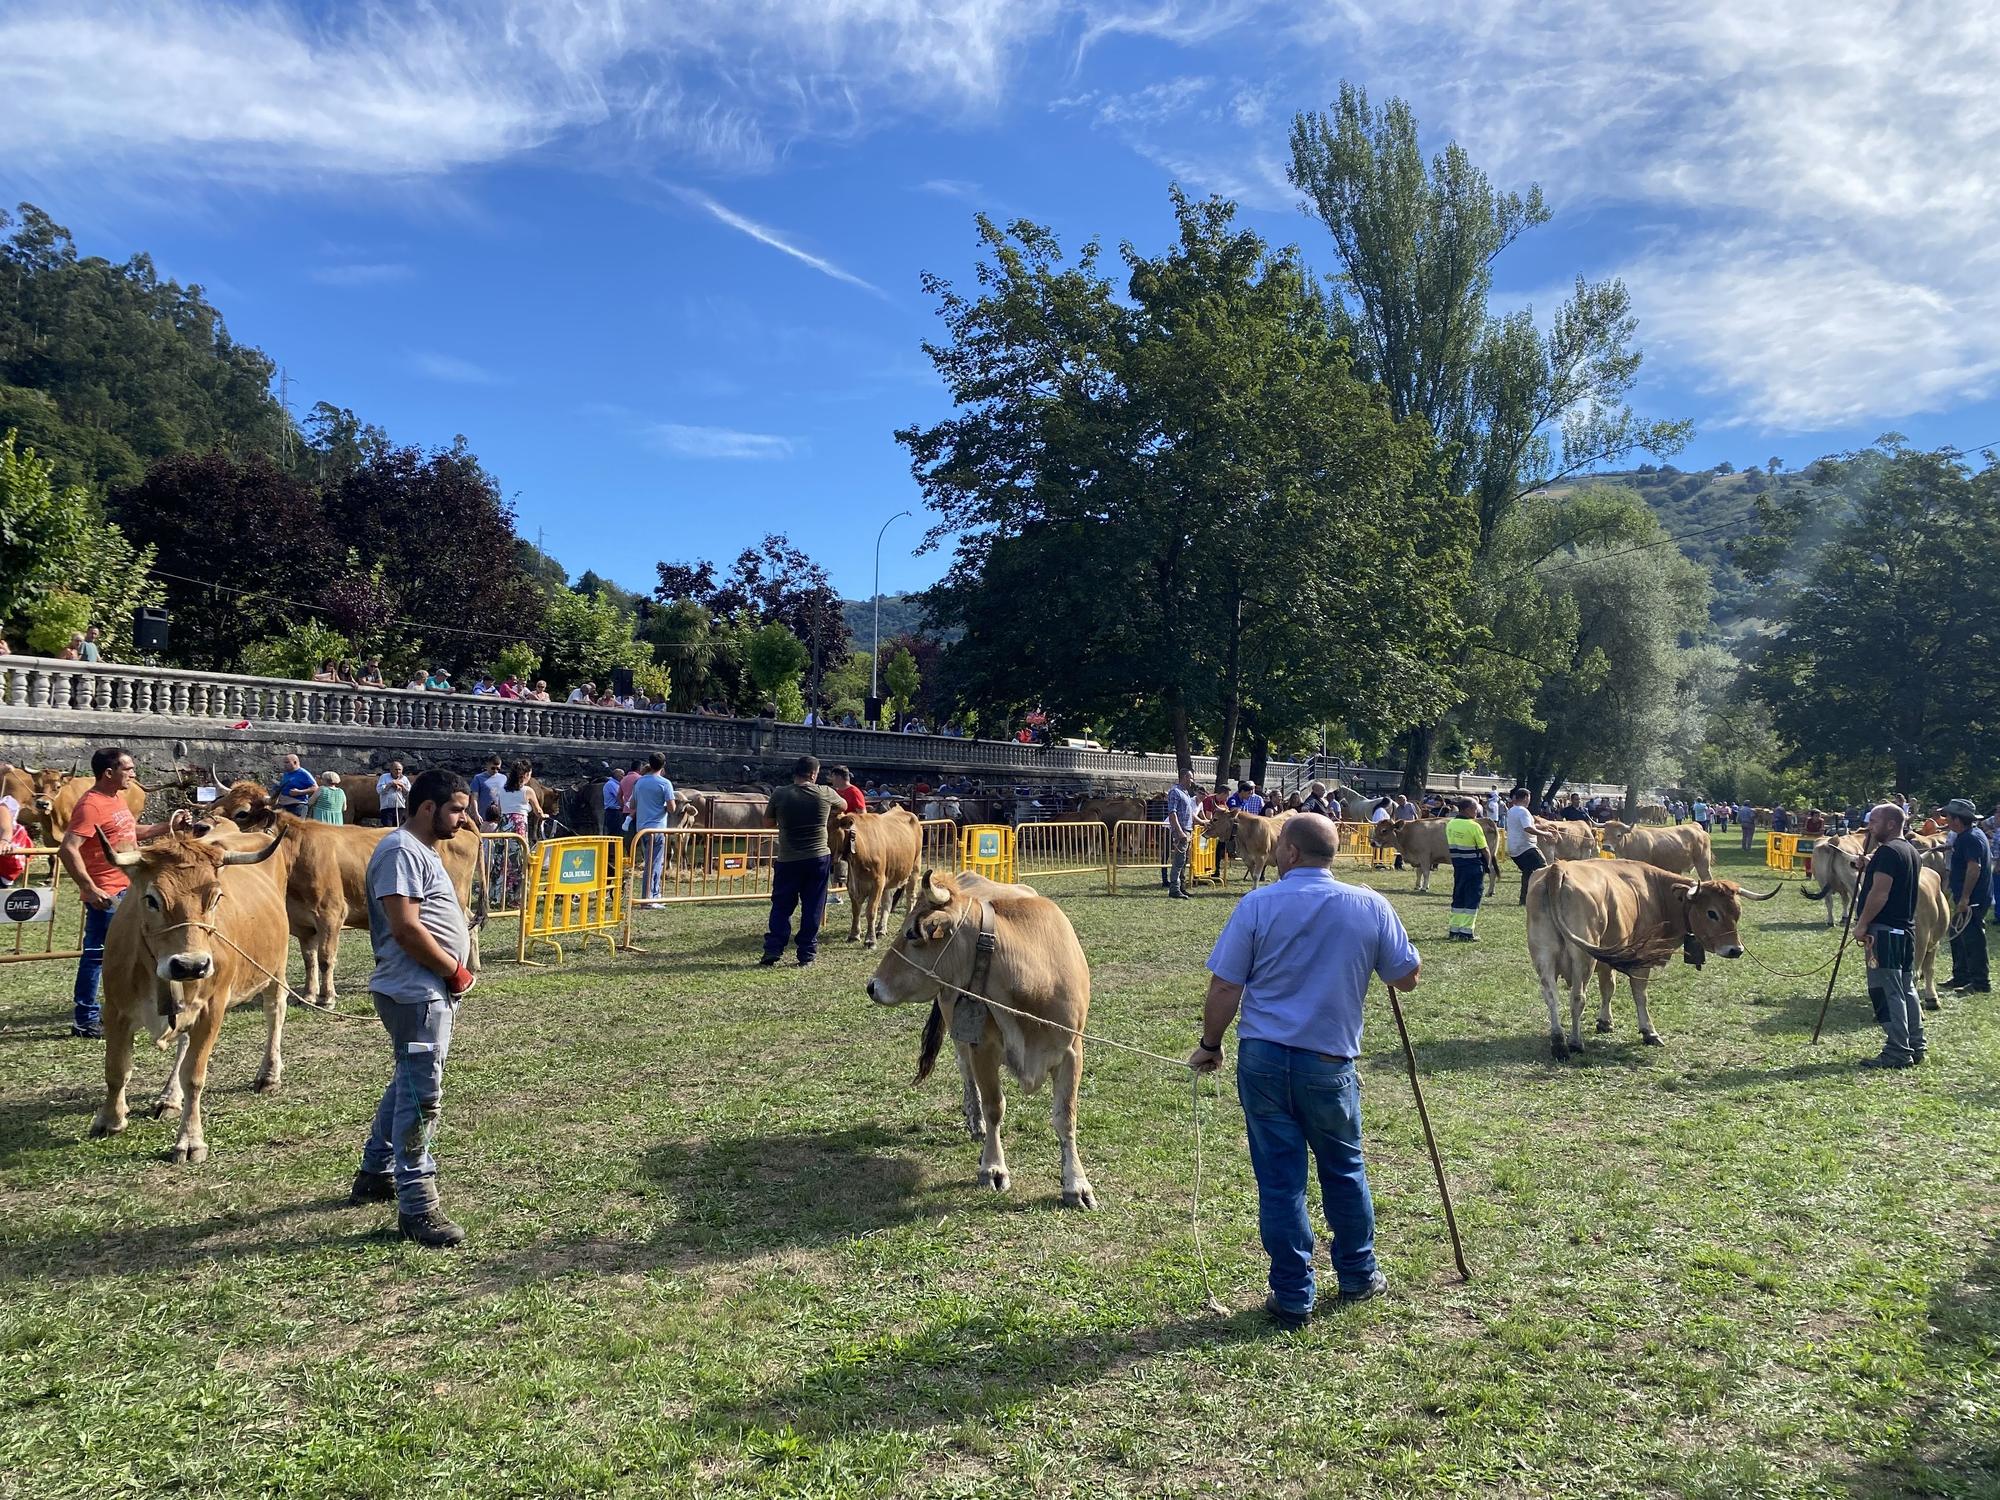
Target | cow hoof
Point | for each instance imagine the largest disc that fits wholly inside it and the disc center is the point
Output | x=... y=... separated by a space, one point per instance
x=1652 y=1039
x=996 y=1179
x=161 y=1109
x=1558 y=1048
x=870 y=944
x=1083 y=1197
x=264 y=1085
x=1933 y=1005
x=188 y=1153
x=101 y=1127
x=1603 y=1026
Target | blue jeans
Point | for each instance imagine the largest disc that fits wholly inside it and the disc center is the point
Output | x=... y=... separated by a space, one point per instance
x=407 y=1118
x=1295 y=1101
x=799 y=883
x=656 y=860
x=96 y=924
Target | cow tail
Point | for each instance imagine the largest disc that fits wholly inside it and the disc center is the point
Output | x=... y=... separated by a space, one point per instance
x=927 y=1056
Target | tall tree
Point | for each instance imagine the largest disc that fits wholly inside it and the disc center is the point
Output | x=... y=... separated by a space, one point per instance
x=1117 y=470
x=1514 y=410
x=1887 y=653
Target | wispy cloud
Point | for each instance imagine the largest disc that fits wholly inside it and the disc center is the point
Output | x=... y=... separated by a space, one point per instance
x=449 y=367
x=765 y=235
x=951 y=187
x=361 y=273
x=717 y=442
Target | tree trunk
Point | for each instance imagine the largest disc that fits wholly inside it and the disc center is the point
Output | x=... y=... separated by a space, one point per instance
x=1418 y=746
x=1183 y=744
x=1232 y=669
x=1631 y=810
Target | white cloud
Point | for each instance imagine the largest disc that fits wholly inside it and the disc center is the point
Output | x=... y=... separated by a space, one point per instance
x=449 y=367
x=765 y=235
x=1825 y=175
x=361 y=273
x=1153 y=103
x=717 y=442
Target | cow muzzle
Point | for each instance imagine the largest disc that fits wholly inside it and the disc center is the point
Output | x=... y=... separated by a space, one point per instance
x=185 y=968
x=1734 y=950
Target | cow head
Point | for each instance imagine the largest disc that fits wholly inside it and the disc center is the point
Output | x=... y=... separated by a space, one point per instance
x=933 y=946
x=1712 y=912
x=1614 y=834
x=170 y=913
x=1388 y=833
x=840 y=833
x=1221 y=824
x=244 y=803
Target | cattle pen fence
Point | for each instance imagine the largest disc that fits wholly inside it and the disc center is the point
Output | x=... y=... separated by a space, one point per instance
x=32 y=904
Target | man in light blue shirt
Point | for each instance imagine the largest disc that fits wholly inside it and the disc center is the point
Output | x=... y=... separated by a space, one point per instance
x=652 y=804
x=1297 y=956
x=1180 y=835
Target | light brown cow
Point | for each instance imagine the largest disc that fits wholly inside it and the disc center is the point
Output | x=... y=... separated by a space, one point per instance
x=1680 y=851
x=326 y=890
x=35 y=791
x=1833 y=872
x=1422 y=844
x=1570 y=839
x=1618 y=916
x=202 y=929
x=1032 y=964
x=1256 y=838
x=881 y=852
x=733 y=810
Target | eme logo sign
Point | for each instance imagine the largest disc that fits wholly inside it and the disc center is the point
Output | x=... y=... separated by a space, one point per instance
x=578 y=867
x=27 y=904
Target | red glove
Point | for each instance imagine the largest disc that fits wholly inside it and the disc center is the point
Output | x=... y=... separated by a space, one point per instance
x=459 y=983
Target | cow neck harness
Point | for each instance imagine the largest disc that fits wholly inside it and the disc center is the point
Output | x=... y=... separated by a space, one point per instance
x=969 y=1011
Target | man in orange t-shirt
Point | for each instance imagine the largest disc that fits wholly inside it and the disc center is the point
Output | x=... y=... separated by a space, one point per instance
x=100 y=882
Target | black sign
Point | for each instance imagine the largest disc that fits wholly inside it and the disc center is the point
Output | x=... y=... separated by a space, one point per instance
x=21 y=905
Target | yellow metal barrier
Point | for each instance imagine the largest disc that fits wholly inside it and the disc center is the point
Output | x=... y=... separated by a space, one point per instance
x=940 y=848
x=504 y=857
x=988 y=849
x=1204 y=859
x=25 y=905
x=674 y=866
x=1046 y=849
x=1781 y=853
x=575 y=887
x=1357 y=840
x=1139 y=846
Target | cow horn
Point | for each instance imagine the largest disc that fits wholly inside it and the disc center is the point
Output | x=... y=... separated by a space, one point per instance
x=1752 y=896
x=253 y=856
x=125 y=859
x=935 y=891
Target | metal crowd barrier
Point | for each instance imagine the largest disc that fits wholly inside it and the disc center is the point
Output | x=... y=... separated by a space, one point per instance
x=15 y=948
x=1781 y=853
x=1137 y=846
x=576 y=889
x=1358 y=840
x=940 y=848
x=701 y=864
x=1048 y=849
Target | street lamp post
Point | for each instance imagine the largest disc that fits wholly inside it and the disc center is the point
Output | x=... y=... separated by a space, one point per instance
x=875 y=650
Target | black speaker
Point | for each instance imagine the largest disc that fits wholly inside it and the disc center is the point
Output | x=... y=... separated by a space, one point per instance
x=149 y=630
x=621 y=681
x=872 y=709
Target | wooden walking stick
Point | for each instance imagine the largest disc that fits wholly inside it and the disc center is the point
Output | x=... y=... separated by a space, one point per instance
x=1437 y=1165
x=1846 y=926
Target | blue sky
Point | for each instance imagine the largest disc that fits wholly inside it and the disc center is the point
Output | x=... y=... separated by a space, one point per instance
x=660 y=264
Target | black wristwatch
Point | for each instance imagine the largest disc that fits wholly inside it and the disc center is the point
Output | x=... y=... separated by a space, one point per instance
x=1206 y=1045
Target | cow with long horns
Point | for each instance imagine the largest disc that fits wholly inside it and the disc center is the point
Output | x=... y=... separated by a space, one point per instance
x=1618 y=916
x=201 y=929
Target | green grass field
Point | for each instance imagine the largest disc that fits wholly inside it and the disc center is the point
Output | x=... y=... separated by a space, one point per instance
x=721 y=1246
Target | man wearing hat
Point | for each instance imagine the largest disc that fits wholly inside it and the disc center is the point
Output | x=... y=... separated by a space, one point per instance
x=1969 y=887
x=1886 y=916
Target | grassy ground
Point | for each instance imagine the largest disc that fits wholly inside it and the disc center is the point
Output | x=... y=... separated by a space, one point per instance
x=720 y=1246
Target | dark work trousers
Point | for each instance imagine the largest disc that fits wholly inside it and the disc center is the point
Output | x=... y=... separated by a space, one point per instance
x=1968 y=951
x=1527 y=864
x=797 y=883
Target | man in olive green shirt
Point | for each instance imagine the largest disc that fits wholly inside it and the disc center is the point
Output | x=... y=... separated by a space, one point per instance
x=804 y=863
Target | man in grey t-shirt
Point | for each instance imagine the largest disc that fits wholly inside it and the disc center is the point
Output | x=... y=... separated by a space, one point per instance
x=421 y=943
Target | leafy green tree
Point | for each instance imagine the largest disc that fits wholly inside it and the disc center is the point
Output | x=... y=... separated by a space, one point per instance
x=1886 y=659
x=297 y=650
x=776 y=659
x=901 y=678
x=583 y=638
x=1514 y=410
x=55 y=619
x=41 y=528
x=517 y=660
x=682 y=635
x=1118 y=467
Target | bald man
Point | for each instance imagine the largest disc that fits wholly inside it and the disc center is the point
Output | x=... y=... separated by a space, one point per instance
x=1296 y=959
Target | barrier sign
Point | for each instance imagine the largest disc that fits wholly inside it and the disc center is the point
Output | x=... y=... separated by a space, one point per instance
x=1782 y=854
x=27 y=904
x=576 y=886
x=988 y=849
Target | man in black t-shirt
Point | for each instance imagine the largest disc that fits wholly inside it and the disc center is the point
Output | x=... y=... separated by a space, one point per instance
x=803 y=863
x=1886 y=914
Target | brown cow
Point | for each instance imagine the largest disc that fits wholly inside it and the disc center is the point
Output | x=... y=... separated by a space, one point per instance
x=1256 y=838
x=1565 y=839
x=35 y=791
x=1422 y=844
x=61 y=803
x=1111 y=810
x=1623 y=917
x=202 y=929
x=326 y=890
x=1013 y=945
x=732 y=810
x=1683 y=850
x=881 y=851
x=1833 y=872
